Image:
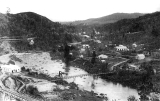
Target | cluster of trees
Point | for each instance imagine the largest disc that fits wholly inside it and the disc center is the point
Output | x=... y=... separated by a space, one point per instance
x=33 y=91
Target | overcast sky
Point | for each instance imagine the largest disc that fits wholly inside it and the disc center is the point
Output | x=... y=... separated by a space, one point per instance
x=70 y=10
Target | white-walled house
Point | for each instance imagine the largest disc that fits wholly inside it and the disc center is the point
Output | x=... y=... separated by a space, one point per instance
x=121 y=48
x=10 y=68
x=140 y=56
x=102 y=56
x=134 y=45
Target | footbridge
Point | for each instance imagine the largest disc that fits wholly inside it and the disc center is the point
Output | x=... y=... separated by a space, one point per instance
x=96 y=74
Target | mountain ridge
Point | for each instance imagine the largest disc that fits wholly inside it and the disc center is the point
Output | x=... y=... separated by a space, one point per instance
x=106 y=19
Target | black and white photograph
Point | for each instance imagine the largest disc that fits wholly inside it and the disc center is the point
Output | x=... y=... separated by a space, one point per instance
x=79 y=50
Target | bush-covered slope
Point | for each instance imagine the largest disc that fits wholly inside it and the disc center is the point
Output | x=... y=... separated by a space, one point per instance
x=47 y=33
x=3 y=25
x=144 y=29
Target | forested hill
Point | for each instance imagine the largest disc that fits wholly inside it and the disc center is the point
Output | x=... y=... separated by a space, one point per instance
x=144 y=29
x=106 y=19
x=47 y=34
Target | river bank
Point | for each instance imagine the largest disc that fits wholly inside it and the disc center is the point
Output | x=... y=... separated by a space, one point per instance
x=144 y=83
x=121 y=76
x=43 y=64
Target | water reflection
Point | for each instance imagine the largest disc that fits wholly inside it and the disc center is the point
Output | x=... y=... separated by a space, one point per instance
x=98 y=85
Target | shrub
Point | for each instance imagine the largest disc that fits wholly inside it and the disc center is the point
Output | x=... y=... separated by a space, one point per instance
x=32 y=90
x=132 y=98
x=23 y=69
x=13 y=57
x=68 y=96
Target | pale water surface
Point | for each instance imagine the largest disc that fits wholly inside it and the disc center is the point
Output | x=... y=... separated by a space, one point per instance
x=113 y=91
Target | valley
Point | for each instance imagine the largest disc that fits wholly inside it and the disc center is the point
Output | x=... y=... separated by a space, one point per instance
x=43 y=60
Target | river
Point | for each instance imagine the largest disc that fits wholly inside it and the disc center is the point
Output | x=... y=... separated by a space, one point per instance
x=114 y=91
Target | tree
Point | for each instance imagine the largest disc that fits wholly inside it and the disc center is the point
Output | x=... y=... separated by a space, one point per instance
x=32 y=90
x=132 y=98
x=23 y=68
x=93 y=60
x=28 y=70
x=93 y=34
x=125 y=66
x=66 y=54
x=8 y=10
x=155 y=32
x=148 y=67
